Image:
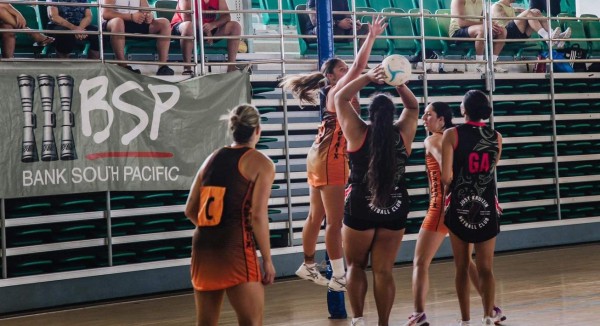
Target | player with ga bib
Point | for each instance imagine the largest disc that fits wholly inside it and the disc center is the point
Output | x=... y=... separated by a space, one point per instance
x=470 y=153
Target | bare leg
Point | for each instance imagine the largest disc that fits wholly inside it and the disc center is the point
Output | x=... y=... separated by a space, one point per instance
x=499 y=45
x=383 y=255
x=161 y=26
x=187 y=46
x=428 y=243
x=357 y=247
x=477 y=31
x=231 y=28
x=485 y=268
x=9 y=41
x=117 y=25
x=461 y=279
x=333 y=201
x=312 y=225
x=208 y=307
x=248 y=301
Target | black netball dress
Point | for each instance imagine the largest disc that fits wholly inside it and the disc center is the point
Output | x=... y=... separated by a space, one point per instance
x=472 y=211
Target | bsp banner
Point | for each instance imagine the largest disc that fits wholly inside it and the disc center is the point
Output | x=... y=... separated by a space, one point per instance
x=86 y=127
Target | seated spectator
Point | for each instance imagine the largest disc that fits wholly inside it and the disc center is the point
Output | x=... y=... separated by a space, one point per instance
x=342 y=24
x=11 y=18
x=521 y=28
x=76 y=19
x=136 y=21
x=541 y=6
x=212 y=25
x=473 y=28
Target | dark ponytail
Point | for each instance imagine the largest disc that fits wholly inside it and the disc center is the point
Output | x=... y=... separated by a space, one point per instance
x=305 y=86
x=382 y=164
x=477 y=105
x=443 y=110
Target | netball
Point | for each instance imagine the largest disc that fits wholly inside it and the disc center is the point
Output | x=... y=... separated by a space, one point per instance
x=397 y=70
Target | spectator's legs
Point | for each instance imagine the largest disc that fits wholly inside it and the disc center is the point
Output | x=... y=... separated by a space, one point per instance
x=187 y=46
x=161 y=26
x=231 y=28
x=529 y=26
x=117 y=25
x=8 y=42
x=499 y=45
x=477 y=31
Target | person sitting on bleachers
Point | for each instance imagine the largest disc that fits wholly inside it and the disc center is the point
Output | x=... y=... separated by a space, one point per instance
x=541 y=6
x=117 y=20
x=342 y=24
x=11 y=18
x=212 y=25
x=473 y=28
x=521 y=28
x=76 y=19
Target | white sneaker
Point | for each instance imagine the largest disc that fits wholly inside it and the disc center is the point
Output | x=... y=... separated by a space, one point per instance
x=487 y=321
x=498 y=317
x=463 y=323
x=500 y=69
x=480 y=67
x=564 y=35
x=554 y=35
x=337 y=284
x=311 y=274
x=358 y=322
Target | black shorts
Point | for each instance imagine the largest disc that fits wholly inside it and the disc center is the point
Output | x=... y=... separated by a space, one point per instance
x=462 y=32
x=65 y=43
x=513 y=32
x=131 y=27
x=358 y=215
x=176 y=32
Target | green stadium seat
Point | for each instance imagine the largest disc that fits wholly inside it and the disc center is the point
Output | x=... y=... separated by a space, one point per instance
x=76 y=262
x=154 y=225
x=503 y=107
x=379 y=5
x=445 y=4
x=161 y=252
x=273 y=18
x=402 y=26
x=380 y=47
x=121 y=228
x=165 y=4
x=121 y=257
x=121 y=201
x=30 y=267
x=592 y=29
x=75 y=232
x=406 y=5
x=27 y=210
x=431 y=5
x=29 y=236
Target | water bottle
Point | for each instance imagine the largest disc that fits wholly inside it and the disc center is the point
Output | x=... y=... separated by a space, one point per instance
x=335 y=300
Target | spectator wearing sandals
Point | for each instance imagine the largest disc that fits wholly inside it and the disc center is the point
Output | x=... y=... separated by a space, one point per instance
x=212 y=25
x=134 y=20
x=523 y=28
x=342 y=23
x=473 y=28
x=76 y=19
x=11 y=18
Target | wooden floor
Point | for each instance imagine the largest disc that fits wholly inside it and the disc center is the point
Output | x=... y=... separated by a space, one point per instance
x=557 y=286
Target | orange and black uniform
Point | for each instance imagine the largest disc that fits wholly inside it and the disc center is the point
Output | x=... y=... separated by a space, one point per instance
x=434 y=220
x=326 y=162
x=224 y=254
x=472 y=211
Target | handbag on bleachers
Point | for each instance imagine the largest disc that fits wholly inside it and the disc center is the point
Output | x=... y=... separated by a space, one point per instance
x=558 y=66
x=576 y=52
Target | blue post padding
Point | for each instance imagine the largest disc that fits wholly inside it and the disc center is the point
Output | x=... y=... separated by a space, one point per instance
x=324 y=31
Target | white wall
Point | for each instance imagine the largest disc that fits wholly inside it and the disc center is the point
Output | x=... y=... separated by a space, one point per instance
x=587 y=7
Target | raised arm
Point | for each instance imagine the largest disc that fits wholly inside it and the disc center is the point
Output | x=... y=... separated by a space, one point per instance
x=409 y=118
x=353 y=127
x=362 y=58
x=260 y=218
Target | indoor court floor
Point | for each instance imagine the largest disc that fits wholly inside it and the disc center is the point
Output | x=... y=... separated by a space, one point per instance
x=549 y=286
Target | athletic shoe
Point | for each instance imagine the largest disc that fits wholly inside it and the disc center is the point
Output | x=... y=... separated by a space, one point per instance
x=480 y=67
x=498 y=317
x=311 y=274
x=463 y=323
x=500 y=69
x=165 y=71
x=417 y=319
x=358 y=322
x=564 y=35
x=487 y=321
x=337 y=284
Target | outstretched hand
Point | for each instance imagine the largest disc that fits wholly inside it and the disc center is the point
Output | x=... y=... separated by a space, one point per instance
x=377 y=74
x=378 y=25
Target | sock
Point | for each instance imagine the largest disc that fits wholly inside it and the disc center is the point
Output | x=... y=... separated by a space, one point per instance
x=543 y=33
x=337 y=266
x=495 y=57
x=479 y=57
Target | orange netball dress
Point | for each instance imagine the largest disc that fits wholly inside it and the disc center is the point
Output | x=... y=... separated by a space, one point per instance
x=326 y=162
x=223 y=249
x=434 y=220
